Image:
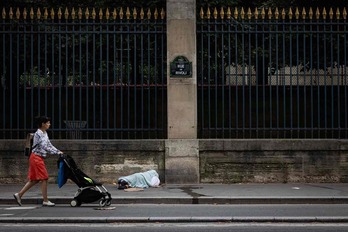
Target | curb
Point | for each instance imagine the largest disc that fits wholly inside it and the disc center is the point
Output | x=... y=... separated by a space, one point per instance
x=176 y=220
x=199 y=200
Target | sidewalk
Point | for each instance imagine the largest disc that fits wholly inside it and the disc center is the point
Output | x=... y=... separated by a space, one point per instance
x=197 y=194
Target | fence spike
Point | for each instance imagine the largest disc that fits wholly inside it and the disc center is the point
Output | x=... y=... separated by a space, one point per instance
x=79 y=13
x=269 y=13
x=38 y=13
x=235 y=14
x=114 y=14
x=317 y=13
x=215 y=13
x=87 y=13
x=121 y=13
x=18 y=13
x=93 y=13
x=228 y=14
x=310 y=14
x=208 y=13
x=338 y=14
x=25 y=13
x=344 y=13
x=331 y=13
x=304 y=13
x=127 y=13
x=107 y=14
x=290 y=13
x=73 y=13
x=283 y=14
x=45 y=14
x=276 y=13
x=163 y=13
x=324 y=13
x=10 y=14
x=256 y=13
x=3 y=13
x=297 y=13
x=31 y=13
x=60 y=13
x=201 y=13
x=100 y=14
x=263 y=13
x=249 y=13
x=242 y=13
x=66 y=13
x=222 y=13
x=148 y=14
x=156 y=14
x=135 y=14
x=142 y=13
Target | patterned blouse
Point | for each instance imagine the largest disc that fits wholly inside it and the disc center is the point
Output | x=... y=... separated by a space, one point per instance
x=42 y=145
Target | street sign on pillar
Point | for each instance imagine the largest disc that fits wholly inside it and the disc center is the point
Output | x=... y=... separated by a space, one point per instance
x=180 y=67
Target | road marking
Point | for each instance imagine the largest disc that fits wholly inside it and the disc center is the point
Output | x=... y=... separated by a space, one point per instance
x=6 y=214
x=21 y=207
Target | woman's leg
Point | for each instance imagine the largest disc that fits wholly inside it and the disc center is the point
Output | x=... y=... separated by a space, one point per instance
x=44 y=190
x=27 y=186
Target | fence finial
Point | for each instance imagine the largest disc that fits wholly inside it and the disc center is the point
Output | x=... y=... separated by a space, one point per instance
x=235 y=13
x=60 y=13
x=249 y=13
x=269 y=13
x=276 y=13
x=208 y=13
x=18 y=13
x=304 y=13
x=331 y=13
x=263 y=13
x=31 y=13
x=297 y=13
x=338 y=14
x=310 y=14
x=38 y=13
x=156 y=14
x=114 y=14
x=228 y=14
x=128 y=13
x=87 y=13
x=163 y=13
x=135 y=13
x=148 y=14
x=107 y=14
x=3 y=13
x=317 y=13
x=11 y=13
x=344 y=13
x=80 y=13
x=66 y=13
x=142 y=13
x=222 y=13
x=256 y=13
x=290 y=13
x=121 y=13
x=215 y=13
x=73 y=13
x=45 y=14
x=25 y=13
x=100 y=14
x=93 y=13
x=283 y=14
x=242 y=13
x=201 y=13
x=324 y=13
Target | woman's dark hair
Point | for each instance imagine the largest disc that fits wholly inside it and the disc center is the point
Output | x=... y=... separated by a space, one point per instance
x=41 y=119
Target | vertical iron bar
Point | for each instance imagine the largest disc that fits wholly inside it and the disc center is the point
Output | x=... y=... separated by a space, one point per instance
x=215 y=78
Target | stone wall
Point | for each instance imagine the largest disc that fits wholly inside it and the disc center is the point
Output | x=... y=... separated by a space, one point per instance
x=220 y=161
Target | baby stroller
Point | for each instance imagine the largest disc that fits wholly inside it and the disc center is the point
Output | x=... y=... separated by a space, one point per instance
x=89 y=189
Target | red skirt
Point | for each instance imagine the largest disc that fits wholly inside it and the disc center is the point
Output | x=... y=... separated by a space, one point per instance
x=37 y=168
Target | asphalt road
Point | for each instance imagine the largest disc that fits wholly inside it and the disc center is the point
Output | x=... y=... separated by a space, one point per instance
x=176 y=213
x=174 y=227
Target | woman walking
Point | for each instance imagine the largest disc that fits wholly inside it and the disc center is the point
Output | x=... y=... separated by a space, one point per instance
x=37 y=168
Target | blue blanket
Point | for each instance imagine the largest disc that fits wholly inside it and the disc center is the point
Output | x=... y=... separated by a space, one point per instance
x=141 y=179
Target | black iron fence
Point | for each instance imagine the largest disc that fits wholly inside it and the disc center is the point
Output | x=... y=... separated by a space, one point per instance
x=272 y=73
x=96 y=73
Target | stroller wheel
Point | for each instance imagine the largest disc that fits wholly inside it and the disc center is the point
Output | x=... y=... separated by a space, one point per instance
x=74 y=203
x=108 y=202
x=102 y=202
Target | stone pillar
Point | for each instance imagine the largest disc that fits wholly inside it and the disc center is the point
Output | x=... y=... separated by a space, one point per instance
x=181 y=154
